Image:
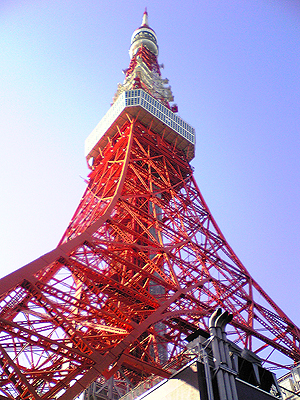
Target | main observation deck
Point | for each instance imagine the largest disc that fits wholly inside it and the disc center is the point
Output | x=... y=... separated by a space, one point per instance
x=149 y=110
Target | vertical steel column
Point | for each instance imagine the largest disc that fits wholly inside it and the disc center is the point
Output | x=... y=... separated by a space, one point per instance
x=204 y=357
x=224 y=371
x=217 y=355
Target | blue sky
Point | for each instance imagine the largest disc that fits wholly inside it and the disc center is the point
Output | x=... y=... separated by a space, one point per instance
x=234 y=71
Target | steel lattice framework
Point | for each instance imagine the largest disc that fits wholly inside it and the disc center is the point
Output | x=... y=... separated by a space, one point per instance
x=142 y=265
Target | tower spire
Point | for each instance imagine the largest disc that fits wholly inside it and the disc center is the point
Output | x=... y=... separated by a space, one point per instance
x=144 y=36
x=144 y=71
x=145 y=18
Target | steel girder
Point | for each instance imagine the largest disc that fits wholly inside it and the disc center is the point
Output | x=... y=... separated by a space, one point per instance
x=141 y=265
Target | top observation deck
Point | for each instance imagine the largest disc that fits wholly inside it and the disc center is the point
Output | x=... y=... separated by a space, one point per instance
x=138 y=102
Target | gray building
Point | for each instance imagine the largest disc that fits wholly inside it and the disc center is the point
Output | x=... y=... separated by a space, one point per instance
x=290 y=384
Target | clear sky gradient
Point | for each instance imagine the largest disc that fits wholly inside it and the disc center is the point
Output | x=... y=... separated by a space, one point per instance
x=234 y=71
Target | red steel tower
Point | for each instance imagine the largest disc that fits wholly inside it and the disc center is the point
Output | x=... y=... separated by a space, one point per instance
x=141 y=265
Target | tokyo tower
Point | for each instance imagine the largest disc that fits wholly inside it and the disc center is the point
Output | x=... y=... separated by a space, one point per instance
x=141 y=266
